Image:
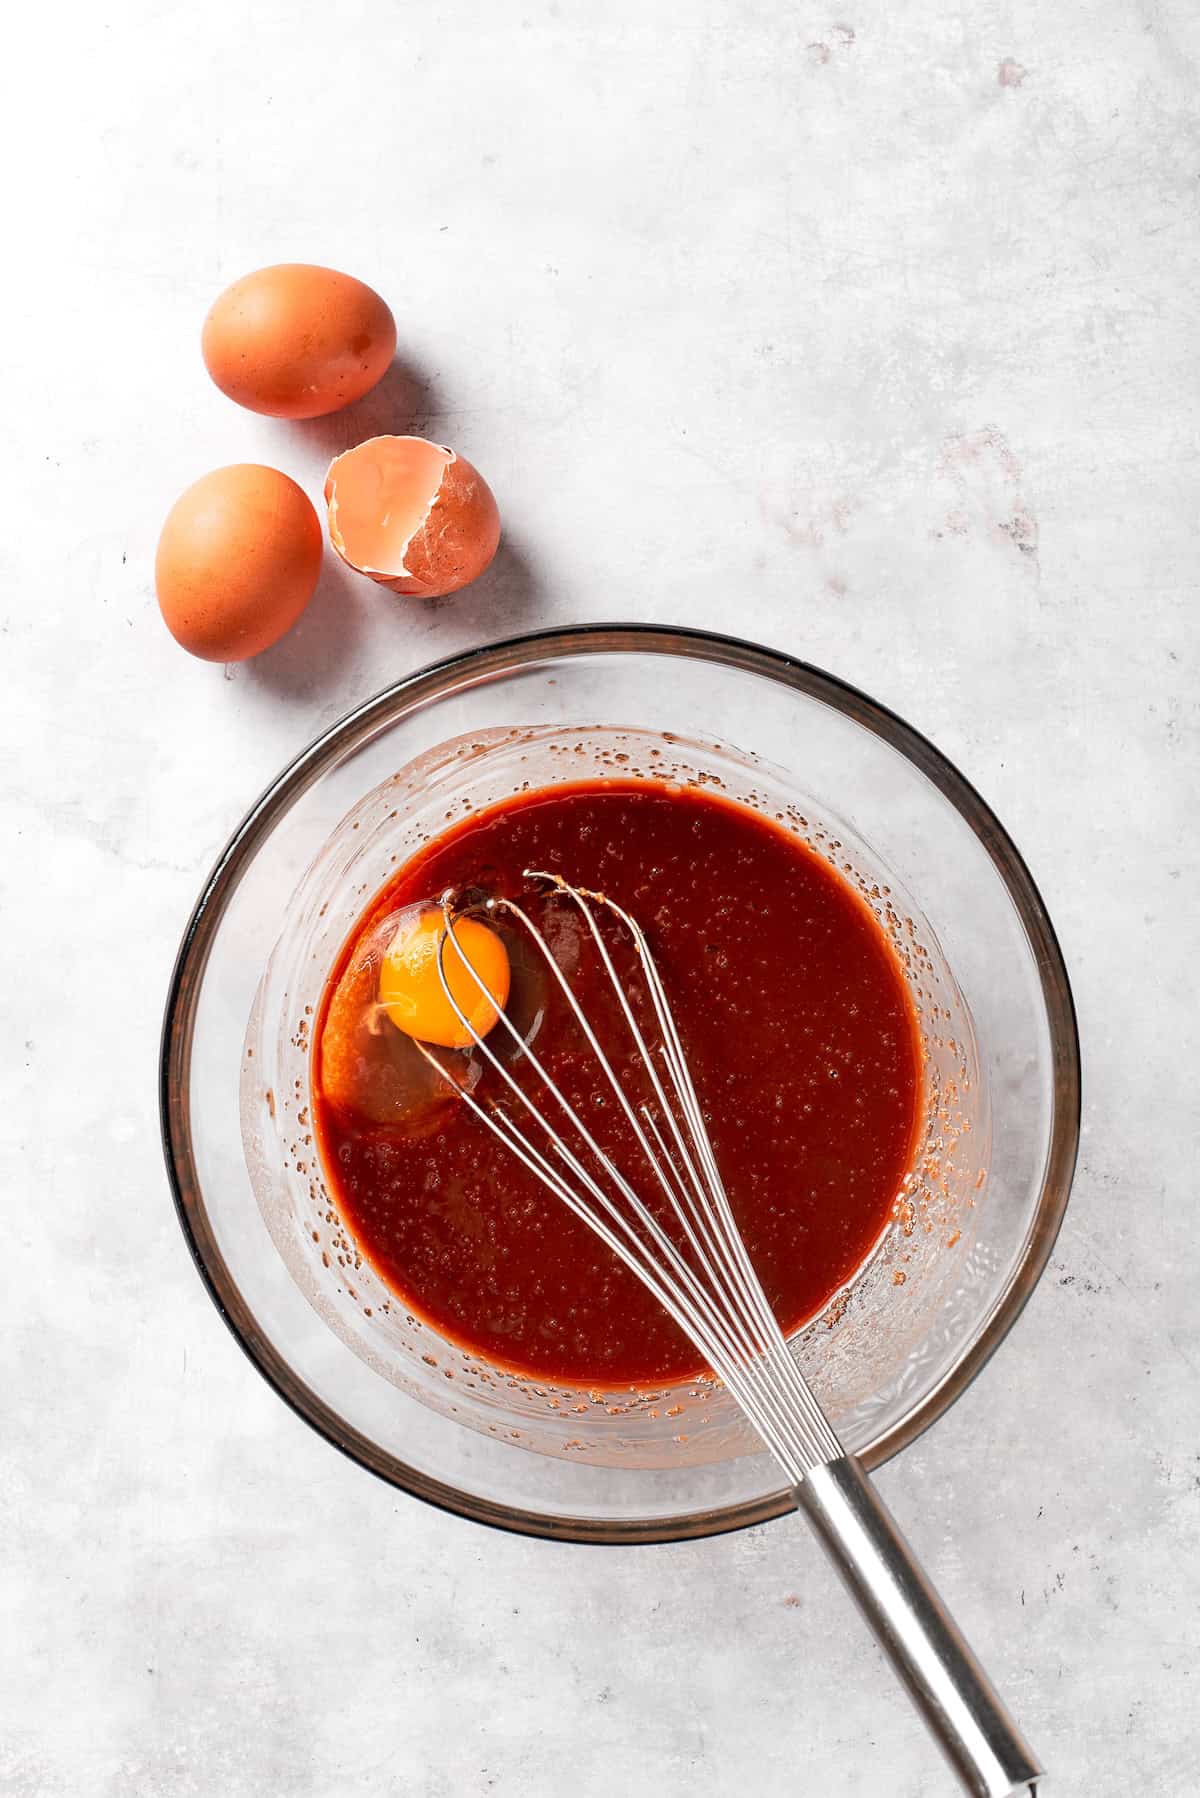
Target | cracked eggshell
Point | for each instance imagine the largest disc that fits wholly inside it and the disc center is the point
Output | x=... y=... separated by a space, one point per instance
x=413 y=515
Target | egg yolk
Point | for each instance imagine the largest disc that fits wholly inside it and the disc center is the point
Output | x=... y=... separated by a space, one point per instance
x=410 y=986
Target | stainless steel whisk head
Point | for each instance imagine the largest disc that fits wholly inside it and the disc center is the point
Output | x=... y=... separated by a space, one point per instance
x=700 y=1272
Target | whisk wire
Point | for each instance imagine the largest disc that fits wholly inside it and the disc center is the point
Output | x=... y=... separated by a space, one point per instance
x=631 y=1248
x=742 y=1272
x=739 y=1296
x=718 y=1302
x=738 y=1380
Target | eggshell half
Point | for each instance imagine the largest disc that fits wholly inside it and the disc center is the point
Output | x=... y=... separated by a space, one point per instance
x=413 y=515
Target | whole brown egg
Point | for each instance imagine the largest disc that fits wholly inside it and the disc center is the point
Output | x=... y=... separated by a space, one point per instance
x=238 y=560
x=297 y=341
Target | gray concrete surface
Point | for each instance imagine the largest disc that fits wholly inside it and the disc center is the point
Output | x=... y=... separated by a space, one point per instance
x=868 y=333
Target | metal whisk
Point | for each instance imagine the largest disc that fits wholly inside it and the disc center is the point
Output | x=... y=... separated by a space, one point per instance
x=702 y=1276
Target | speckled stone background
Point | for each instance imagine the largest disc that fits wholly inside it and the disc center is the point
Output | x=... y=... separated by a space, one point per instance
x=868 y=333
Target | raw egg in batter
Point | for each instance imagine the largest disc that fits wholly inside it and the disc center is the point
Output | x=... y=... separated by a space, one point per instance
x=410 y=985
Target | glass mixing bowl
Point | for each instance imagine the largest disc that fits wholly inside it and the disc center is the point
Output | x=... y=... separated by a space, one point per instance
x=985 y=1195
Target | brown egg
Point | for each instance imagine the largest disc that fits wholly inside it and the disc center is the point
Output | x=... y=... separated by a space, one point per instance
x=296 y=341
x=412 y=515
x=238 y=560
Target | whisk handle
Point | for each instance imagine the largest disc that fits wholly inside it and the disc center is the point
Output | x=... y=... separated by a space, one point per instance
x=960 y=1706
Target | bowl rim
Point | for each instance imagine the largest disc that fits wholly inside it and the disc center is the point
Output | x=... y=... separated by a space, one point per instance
x=436 y=681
